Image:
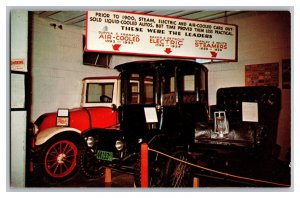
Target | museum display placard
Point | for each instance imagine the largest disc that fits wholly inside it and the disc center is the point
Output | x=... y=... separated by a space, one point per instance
x=249 y=112
x=150 y=114
x=18 y=64
x=152 y=35
x=62 y=118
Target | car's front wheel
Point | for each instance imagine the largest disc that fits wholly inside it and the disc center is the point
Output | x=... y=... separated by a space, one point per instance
x=155 y=171
x=88 y=165
x=58 y=160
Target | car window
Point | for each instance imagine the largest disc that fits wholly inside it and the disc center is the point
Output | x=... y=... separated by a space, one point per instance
x=99 y=92
x=141 y=89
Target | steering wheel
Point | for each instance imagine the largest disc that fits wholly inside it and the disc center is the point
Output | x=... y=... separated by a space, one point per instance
x=105 y=99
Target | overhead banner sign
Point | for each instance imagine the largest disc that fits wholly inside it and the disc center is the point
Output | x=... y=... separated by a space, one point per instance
x=151 y=35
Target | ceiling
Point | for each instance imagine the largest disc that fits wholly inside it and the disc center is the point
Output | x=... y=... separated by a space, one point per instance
x=77 y=18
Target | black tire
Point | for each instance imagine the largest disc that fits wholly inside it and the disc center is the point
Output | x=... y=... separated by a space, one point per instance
x=137 y=172
x=58 y=159
x=88 y=165
x=157 y=164
x=178 y=174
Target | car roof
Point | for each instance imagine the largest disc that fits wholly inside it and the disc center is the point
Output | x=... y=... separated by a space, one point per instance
x=152 y=64
x=101 y=77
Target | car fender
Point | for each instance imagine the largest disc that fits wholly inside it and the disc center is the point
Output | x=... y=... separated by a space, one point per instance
x=46 y=134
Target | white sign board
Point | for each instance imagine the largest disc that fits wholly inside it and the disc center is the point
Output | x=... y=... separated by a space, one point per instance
x=150 y=114
x=63 y=112
x=250 y=111
x=152 y=35
x=18 y=64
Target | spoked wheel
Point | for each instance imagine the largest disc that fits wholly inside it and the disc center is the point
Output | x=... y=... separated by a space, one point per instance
x=58 y=161
x=156 y=170
x=89 y=166
x=178 y=173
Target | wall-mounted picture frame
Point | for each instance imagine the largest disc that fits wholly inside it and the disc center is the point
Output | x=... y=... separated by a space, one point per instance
x=266 y=74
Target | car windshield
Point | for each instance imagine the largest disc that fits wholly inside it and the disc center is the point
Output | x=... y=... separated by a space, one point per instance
x=140 y=89
x=99 y=92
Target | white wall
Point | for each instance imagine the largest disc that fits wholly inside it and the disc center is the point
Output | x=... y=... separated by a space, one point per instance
x=18 y=147
x=57 y=68
x=263 y=37
x=19 y=40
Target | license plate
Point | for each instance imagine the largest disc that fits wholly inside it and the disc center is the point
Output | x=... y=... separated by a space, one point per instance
x=104 y=155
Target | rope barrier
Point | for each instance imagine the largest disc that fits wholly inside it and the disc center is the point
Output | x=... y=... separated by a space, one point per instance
x=219 y=172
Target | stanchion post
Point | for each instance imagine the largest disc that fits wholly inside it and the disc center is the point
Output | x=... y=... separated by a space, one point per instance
x=107 y=175
x=144 y=165
x=196 y=182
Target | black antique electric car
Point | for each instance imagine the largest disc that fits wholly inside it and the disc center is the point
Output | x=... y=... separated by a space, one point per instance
x=160 y=103
x=165 y=104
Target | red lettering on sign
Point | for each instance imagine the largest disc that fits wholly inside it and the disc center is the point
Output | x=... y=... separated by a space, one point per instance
x=105 y=36
x=17 y=62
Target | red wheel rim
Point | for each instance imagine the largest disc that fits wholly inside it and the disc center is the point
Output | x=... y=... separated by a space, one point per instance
x=60 y=159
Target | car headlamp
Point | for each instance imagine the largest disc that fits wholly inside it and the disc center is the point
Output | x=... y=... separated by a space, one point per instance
x=90 y=141
x=140 y=140
x=119 y=145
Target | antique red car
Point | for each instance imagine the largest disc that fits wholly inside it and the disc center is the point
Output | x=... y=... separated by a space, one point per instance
x=56 y=134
